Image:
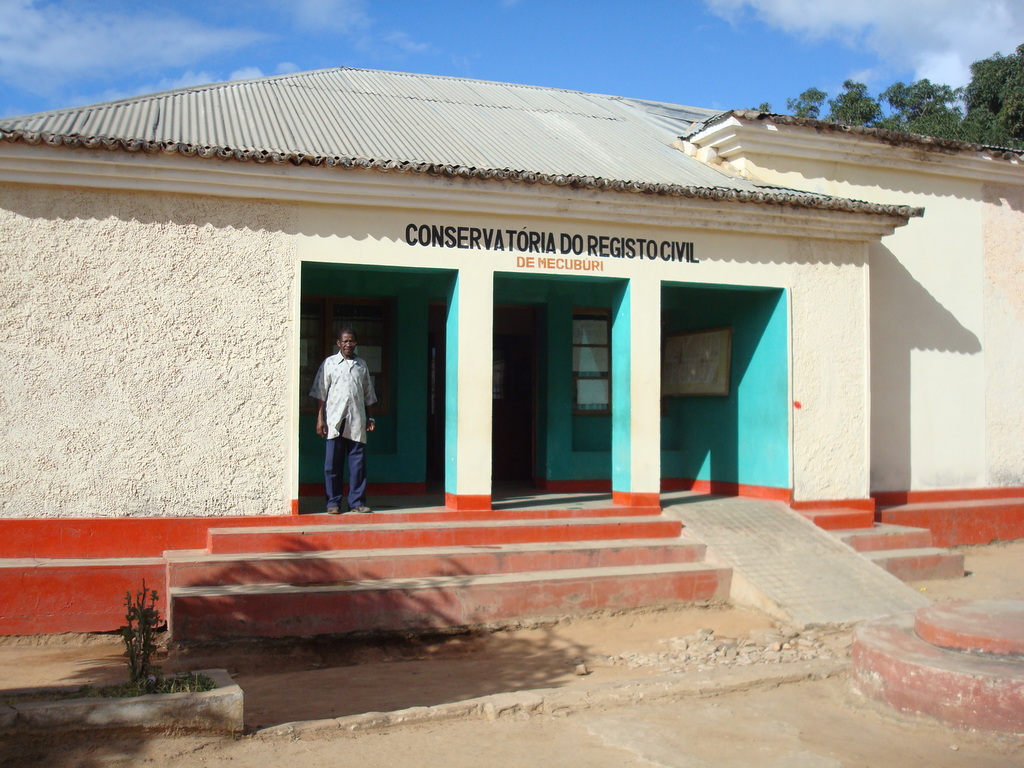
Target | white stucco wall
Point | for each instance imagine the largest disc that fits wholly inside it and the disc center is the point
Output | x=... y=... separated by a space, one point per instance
x=1003 y=218
x=830 y=372
x=148 y=335
x=145 y=346
x=940 y=288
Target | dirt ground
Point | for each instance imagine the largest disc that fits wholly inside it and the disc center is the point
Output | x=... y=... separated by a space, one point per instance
x=811 y=723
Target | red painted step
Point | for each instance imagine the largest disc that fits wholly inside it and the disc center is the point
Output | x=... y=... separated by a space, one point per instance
x=885 y=537
x=892 y=664
x=188 y=569
x=281 y=610
x=442 y=515
x=839 y=519
x=920 y=564
x=393 y=535
x=975 y=626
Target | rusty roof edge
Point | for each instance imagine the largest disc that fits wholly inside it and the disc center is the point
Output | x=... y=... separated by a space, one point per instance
x=893 y=138
x=771 y=196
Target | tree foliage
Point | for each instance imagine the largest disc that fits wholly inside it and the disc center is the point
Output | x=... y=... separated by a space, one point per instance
x=988 y=110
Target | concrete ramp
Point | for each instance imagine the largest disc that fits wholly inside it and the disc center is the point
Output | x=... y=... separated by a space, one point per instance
x=786 y=566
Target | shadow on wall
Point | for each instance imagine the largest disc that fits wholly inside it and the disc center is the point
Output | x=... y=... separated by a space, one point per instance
x=904 y=317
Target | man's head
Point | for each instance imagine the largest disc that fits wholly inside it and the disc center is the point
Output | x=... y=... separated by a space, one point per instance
x=347 y=342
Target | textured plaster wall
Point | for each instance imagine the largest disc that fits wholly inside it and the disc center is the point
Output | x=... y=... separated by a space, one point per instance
x=928 y=352
x=830 y=372
x=1004 y=333
x=145 y=354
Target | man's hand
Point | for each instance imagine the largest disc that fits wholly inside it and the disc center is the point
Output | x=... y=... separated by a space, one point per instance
x=321 y=427
x=370 y=424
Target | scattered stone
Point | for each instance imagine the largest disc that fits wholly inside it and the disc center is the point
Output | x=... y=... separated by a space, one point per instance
x=702 y=650
x=581 y=669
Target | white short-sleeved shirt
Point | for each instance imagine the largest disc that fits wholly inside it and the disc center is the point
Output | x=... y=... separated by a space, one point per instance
x=345 y=385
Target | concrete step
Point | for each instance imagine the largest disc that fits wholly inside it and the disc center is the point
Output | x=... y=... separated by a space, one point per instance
x=920 y=564
x=200 y=614
x=840 y=519
x=372 y=532
x=955 y=523
x=893 y=664
x=883 y=537
x=198 y=568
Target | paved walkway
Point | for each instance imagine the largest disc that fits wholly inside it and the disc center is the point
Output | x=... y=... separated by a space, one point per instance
x=784 y=564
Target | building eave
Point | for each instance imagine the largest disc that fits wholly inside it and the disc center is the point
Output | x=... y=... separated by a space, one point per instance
x=736 y=136
x=445 y=190
x=768 y=196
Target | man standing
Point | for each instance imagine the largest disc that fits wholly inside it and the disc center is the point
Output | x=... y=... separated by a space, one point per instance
x=344 y=392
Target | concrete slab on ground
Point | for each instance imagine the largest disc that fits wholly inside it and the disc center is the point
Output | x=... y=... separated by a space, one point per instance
x=785 y=565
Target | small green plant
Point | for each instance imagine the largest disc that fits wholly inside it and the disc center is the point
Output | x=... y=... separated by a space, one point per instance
x=139 y=636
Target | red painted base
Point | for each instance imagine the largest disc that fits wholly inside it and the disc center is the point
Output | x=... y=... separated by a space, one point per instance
x=721 y=488
x=463 y=501
x=644 y=500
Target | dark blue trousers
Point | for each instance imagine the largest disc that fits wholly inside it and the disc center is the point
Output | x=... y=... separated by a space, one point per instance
x=339 y=450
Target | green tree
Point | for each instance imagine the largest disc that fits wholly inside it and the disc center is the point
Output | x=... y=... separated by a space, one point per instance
x=995 y=100
x=988 y=110
x=923 y=107
x=807 y=104
x=854 y=106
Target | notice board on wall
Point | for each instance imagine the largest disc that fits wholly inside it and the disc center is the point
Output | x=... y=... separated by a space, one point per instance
x=697 y=363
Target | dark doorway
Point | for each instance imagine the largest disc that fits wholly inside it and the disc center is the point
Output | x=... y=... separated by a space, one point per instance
x=513 y=419
x=436 y=392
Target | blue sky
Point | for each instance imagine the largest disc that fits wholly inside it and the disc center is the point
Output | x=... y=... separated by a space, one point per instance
x=711 y=53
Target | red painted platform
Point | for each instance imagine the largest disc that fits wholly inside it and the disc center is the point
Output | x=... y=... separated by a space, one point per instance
x=962 y=521
x=993 y=627
x=893 y=664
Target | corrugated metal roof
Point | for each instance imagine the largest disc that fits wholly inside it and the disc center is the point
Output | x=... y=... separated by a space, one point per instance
x=431 y=124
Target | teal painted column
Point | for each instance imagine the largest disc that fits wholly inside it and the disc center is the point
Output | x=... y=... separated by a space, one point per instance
x=636 y=394
x=469 y=334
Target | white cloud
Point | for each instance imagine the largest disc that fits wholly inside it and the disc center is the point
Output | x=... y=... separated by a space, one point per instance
x=49 y=45
x=246 y=73
x=347 y=16
x=936 y=39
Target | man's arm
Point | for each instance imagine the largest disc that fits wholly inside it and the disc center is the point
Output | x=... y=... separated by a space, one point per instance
x=321 y=422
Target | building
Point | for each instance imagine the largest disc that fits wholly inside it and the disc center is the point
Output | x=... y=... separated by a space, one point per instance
x=565 y=290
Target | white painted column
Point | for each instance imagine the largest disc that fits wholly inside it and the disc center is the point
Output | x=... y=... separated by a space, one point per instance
x=468 y=398
x=636 y=394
